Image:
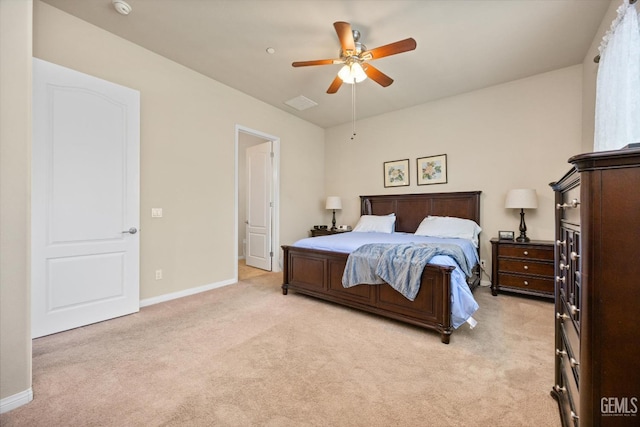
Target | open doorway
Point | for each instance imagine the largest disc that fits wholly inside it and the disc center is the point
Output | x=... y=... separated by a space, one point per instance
x=257 y=239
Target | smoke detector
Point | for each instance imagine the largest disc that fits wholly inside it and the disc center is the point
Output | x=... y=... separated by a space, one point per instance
x=121 y=6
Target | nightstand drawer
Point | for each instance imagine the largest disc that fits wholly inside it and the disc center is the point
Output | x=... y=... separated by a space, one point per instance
x=526 y=282
x=525 y=267
x=545 y=254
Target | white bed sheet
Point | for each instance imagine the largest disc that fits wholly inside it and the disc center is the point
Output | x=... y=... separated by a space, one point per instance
x=463 y=304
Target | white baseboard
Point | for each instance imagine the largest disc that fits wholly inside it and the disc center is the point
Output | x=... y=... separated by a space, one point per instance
x=15 y=401
x=187 y=292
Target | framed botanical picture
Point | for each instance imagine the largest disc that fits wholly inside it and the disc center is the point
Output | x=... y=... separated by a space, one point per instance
x=432 y=170
x=396 y=173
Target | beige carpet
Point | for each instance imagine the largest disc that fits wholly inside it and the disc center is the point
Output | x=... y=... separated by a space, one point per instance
x=245 y=355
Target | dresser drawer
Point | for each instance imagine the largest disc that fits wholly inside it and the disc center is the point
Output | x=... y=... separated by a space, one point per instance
x=570 y=212
x=531 y=283
x=545 y=254
x=570 y=388
x=525 y=267
x=570 y=310
x=571 y=358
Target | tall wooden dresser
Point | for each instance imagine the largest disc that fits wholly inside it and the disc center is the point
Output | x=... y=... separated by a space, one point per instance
x=597 y=290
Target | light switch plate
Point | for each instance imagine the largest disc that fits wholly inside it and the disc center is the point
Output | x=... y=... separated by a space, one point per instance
x=156 y=212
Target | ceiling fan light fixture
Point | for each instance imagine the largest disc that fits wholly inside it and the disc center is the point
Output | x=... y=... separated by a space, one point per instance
x=351 y=73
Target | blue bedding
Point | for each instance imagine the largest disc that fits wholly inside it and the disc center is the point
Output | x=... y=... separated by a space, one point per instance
x=463 y=304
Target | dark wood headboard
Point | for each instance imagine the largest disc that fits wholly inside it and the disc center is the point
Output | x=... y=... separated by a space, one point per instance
x=410 y=209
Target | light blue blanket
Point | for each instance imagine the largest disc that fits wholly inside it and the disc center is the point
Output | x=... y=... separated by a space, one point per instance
x=400 y=266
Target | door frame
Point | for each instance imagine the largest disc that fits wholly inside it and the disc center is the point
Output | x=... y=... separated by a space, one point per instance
x=275 y=217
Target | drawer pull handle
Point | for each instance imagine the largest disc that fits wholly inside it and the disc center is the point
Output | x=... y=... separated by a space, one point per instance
x=526 y=283
x=561 y=279
x=561 y=242
x=573 y=362
x=574 y=256
x=572 y=204
x=574 y=310
x=563 y=266
x=562 y=316
x=574 y=416
x=526 y=267
x=526 y=252
x=560 y=352
x=560 y=389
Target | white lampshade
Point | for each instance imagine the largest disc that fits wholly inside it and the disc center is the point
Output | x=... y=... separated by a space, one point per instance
x=352 y=72
x=521 y=199
x=333 y=202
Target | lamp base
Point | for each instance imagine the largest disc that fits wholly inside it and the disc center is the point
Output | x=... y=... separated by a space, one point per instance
x=523 y=229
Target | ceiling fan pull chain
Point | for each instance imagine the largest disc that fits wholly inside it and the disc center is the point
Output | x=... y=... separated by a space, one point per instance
x=353 y=108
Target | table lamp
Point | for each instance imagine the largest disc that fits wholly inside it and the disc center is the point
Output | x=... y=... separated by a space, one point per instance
x=522 y=199
x=333 y=203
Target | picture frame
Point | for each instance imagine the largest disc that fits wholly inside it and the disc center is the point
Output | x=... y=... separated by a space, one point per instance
x=396 y=173
x=432 y=169
x=506 y=235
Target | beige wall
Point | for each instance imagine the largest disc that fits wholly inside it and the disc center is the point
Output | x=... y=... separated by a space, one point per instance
x=589 y=76
x=187 y=152
x=15 y=160
x=515 y=135
x=523 y=130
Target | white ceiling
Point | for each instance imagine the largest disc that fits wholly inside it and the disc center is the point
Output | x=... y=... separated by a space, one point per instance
x=463 y=45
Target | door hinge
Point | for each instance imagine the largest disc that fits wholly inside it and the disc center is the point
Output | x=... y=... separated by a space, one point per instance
x=271 y=254
x=270 y=204
x=271 y=154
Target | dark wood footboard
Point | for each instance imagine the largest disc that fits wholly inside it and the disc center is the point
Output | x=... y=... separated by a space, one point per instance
x=319 y=274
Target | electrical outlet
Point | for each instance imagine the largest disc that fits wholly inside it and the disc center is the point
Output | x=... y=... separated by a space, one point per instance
x=158 y=274
x=483 y=264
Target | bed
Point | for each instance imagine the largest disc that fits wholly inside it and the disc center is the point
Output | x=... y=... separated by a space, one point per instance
x=319 y=273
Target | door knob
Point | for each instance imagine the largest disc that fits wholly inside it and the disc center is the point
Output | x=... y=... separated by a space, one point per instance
x=132 y=230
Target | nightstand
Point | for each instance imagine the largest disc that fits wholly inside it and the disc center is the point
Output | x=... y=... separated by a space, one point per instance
x=316 y=233
x=522 y=267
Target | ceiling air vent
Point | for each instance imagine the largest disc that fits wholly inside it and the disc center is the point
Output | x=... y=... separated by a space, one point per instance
x=301 y=103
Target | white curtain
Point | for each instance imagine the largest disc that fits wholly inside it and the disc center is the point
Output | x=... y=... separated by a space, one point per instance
x=617 y=120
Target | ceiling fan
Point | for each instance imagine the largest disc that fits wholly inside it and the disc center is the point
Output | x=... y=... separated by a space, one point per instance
x=355 y=56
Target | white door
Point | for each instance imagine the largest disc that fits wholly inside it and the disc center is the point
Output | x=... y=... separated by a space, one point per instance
x=85 y=199
x=259 y=206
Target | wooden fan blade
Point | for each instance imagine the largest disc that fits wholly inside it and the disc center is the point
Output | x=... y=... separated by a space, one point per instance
x=392 y=48
x=343 y=29
x=377 y=76
x=316 y=62
x=335 y=85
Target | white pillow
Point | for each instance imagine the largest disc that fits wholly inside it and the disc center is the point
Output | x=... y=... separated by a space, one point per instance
x=450 y=227
x=376 y=223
